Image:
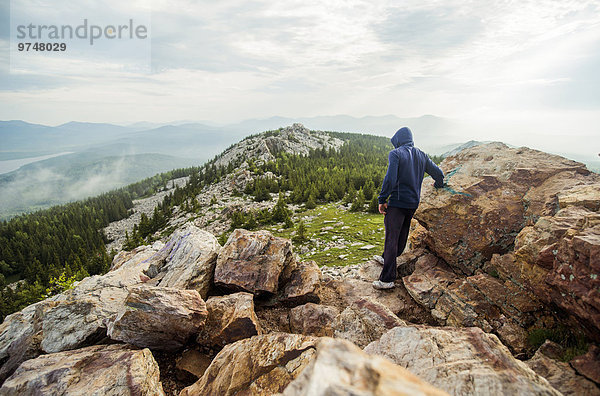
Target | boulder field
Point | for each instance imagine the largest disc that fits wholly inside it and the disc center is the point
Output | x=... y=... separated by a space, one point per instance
x=511 y=246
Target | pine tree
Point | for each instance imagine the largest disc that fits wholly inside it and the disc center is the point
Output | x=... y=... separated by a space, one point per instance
x=310 y=204
x=280 y=212
x=359 y=202
x=301 y=232
x=374 y=204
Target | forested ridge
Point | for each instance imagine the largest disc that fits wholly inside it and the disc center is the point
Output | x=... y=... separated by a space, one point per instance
x=50 y=249
x=46 y=249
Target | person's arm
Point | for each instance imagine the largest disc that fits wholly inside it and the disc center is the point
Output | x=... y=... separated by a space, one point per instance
x=435 y=172
x=390 y=178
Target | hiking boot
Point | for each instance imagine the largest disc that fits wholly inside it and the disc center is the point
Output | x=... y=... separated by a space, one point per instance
x=379 y=285
x=378 y=259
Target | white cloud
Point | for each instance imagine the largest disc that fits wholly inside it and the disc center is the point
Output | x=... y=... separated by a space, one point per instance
x=234 y=59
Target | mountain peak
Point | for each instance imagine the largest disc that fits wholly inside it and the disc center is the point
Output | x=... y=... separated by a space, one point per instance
x=263 y=147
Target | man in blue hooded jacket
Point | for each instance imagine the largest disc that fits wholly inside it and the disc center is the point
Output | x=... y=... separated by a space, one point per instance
x=402 y=190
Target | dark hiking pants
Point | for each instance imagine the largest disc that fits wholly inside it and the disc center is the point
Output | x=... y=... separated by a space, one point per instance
x=397 y=225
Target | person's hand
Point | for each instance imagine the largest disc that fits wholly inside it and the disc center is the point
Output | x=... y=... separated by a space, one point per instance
x=383 y=208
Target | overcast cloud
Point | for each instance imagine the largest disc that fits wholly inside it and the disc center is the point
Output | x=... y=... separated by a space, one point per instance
x=531 y=66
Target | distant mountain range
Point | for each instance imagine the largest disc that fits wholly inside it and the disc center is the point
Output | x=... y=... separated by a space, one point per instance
x=115 y=155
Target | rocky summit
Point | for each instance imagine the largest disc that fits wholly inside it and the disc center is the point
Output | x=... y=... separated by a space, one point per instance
x=507 y=254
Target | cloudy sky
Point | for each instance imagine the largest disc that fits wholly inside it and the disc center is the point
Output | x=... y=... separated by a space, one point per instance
x=529 y=64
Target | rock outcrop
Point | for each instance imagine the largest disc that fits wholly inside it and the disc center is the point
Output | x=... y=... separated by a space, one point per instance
x=341 y=368
x=294 y=139
x=230 y=318
x=78 y=317
x=252 y=262
x=263 y=364
x=479 y=300
x=558 y=259
x=588 y=364
x=160 y=318
x=460 y=361
x=98 y=370
x=494 y=191
x=515 y=234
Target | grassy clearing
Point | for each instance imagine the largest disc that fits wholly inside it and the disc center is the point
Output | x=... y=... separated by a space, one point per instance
x=336 y=236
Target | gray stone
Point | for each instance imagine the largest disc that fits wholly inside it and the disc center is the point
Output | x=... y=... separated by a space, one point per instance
x=96 y=370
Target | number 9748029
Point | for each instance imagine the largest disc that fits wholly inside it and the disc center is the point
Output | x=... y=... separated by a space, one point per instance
x=54 y=47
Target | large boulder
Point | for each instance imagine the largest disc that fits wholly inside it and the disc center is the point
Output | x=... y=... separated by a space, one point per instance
x=263 y=364
x=98 y=370
x=520 y=230
x=253 y=261
x=230 y=318
x=159 y=317
x=560 y=374
x=463 y=361
x=73 y=318
x=341 y=368
x=191 y=261
x=493 y=192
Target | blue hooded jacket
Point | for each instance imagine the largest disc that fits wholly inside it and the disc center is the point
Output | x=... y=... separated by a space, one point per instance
x=406 y=169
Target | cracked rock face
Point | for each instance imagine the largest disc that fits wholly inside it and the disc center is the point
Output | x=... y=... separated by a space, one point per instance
x=463 y=361
x=99 y=370
x=558 y=259
x=494 y=191
x=480 y=300
x=263 y=364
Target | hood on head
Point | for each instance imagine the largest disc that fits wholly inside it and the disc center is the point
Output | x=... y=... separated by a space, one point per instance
x=403 y=137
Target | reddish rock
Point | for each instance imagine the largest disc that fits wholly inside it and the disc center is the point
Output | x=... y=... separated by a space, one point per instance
x=480 y=300
x=230 y=318
x=191 y=365
x=301 y=284
x=261 y=365
x=559 y=374
x=253 y=262
x=313 y=319
x=558 y=260
x=588 y=365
